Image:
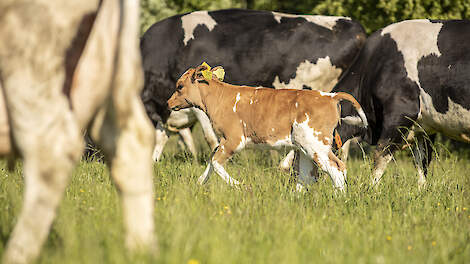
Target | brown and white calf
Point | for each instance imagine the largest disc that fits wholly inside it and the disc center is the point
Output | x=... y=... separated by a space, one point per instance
x=297 y=118
x=66 y=66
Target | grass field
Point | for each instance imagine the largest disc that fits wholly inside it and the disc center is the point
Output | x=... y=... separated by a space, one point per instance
x=271 y=223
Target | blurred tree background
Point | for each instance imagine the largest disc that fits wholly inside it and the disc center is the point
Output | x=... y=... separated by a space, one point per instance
x=373 y=14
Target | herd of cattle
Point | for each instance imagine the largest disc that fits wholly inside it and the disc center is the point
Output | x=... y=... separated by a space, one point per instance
x=71 y=66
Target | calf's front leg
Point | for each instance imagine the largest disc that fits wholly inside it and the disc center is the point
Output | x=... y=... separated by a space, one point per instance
x=222 y=153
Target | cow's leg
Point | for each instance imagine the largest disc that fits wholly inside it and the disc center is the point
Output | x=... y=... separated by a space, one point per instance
x=206 y=174
x=48 y=137
x=223 y=152
x=187 y=138
x=307 y=172
x=288 y=160
x=381 y=159
x=320 y=153
x=422 y=154
x=304 y=170
x=335 y=168
x=209 y=133
x=208 y=171
x=128 y=138
x=161 y=137
x=344 y=151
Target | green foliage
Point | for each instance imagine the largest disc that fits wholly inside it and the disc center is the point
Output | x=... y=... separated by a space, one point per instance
x=156 y=10
x=373 y=14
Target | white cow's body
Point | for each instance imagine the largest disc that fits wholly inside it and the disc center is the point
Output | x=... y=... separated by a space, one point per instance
x=54 y=86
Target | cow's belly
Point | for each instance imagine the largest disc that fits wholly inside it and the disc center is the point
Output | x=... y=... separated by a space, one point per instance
x=181 y=119
x=455 y=123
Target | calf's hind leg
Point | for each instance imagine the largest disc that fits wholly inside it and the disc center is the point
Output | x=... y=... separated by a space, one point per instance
x=327 y=161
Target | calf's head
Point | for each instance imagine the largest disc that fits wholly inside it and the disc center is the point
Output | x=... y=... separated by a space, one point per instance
x=187 y=92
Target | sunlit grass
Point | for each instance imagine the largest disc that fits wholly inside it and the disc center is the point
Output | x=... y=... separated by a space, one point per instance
x=267 y=222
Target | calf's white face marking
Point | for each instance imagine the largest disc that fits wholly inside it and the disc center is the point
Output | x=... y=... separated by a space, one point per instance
x=236 y=101
x=191 y=20
x=324 y=21
x=320 y=76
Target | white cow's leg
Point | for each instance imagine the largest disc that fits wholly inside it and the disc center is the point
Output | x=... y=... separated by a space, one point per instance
x=286 y=163
x=161 y=137
x=187 y=138
x=127 y=125
x=127 y=145
x=381 y=160
x=305 y=172
x=345 y=150
x=50 y=151
x=209 y=133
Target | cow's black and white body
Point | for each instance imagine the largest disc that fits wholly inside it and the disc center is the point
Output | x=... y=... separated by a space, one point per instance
x=413 y=75
x=256 y=48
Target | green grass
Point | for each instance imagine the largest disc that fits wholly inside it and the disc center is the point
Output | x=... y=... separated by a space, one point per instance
x=268 y=223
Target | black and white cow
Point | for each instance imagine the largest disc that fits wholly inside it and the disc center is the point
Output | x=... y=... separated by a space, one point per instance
x=413 y=75
x=256 y=48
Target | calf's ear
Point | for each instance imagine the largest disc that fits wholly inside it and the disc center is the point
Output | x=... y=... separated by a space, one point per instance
x=218 y=72
x=197 y=76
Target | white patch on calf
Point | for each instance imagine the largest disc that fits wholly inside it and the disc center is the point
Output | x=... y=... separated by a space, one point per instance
x=236 y=101
x=320 y=76
x=192 y=20
x=324 y=21
x=327 y=94
x=304 y=135
x=415 y=39
x=287 y=141
x=243 y=142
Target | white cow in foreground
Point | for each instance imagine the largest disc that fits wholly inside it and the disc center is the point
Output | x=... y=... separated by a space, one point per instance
x=66 y=66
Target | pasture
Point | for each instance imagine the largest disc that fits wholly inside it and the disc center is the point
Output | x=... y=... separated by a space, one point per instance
x=268 y=222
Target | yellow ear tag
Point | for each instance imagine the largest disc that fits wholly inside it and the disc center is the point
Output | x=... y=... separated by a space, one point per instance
x=219 y=73
x=207 y=75
x=207 y=72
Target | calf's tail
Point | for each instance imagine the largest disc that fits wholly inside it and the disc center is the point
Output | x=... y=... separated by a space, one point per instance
x=352 y=120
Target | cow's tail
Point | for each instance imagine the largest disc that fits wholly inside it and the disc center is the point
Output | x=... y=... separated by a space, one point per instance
x=352 y=120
